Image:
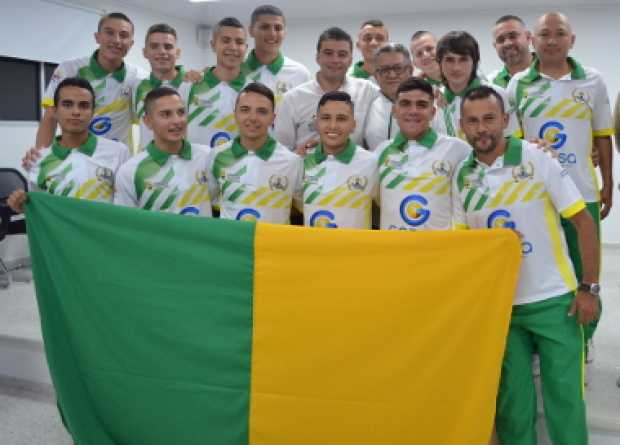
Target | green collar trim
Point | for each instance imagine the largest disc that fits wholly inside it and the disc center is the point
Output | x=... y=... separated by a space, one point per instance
x=432 y=81
x=236 y=84
x=512 y=155
x=161 y=157
x=176 y=82
x=577 y=71
x=450 y=95
x=427 y=140
x=264 y=152
x=344 y=156
x=502 y=78
x=252 y=63
x=100 y=72
x=61 y=152
x=360 y=72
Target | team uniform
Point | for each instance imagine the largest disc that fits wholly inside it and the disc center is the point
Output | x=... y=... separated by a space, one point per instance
x=501 y=77
x=451 y=112
x=338 y=189
x=147 y=85
x=527 y=190
x=414 y=181
x=165 y=182
x=254 y=185
x=282 y=75
x=85 y=172
x=358 y=71
x=112 y=118
x=294 y=123
x=211 y=119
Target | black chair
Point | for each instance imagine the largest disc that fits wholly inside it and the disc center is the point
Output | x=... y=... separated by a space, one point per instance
x=10 y=180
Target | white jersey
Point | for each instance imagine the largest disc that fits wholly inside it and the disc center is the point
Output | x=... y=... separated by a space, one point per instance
x=211 y=119
x=567 y=112
x=294 y=123
x=451 y=112
x=85 y=172
x=144 y=87
x=415 y=178
x=282 y=75
x=338 y=189
x=160 y=181
x=112 y=118
x=358 y=71
x=525 y=190
x=255 y=185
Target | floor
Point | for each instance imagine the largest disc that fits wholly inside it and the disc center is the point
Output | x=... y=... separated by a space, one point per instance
x=28 y=414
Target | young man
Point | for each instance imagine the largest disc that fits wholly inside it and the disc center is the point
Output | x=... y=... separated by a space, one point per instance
x=78 y=164
x=458 y=55
x=510 y=183
x=254 y=177
x=162 y=52
x=340 y=177
x=109 y=76
x=171 y=174
x=416 y=166
x=392 y=67
x=372 y=35
x=266 y=63
x=567 y=104
x=294 y=125
x=423 y=46
x=212 y=101
x=512 y=42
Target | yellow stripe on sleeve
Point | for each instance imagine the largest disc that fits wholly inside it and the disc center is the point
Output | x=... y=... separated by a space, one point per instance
x=47 y=102
x=603 y=132
x=573 y=209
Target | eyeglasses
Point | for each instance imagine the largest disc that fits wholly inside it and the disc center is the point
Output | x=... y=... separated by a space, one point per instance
x=398 y=69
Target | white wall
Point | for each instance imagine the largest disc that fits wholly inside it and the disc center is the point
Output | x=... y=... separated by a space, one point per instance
x=596 y=45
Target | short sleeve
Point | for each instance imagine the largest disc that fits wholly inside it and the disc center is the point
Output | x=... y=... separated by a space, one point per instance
x=61 y=72
x=602 y=121
x=124 y=193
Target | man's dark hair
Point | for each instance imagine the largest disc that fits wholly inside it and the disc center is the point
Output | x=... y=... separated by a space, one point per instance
x=157 y=93
x=227 y=21
x=415 y=83
x=74 y=82
x=418 y=34
x=373 y=22
x=265 y=10
x=334 y=33
x=482 y=92
x=461 y=43
x=161 y=28
x=114 y=15
x=258 y=88
x=337 y=96
x=508 y=18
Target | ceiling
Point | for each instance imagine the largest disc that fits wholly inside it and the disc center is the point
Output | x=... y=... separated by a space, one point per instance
x=209 y=13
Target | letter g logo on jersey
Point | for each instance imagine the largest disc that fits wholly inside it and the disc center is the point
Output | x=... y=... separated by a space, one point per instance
x=248 y=215
x=413 y=210
x=100 y=125
x=500 y=219
x=323 y=218
x=552 y=132
x=219 y=138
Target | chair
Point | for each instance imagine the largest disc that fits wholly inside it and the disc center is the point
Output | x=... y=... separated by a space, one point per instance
x=10 y=180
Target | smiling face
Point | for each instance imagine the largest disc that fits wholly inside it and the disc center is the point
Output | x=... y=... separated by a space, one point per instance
x=390 y=71
x=268 y=32
x=483 y=122
x=115 y=38
x=423 y=54
x=512 y=42
x=369 y=39
x=167 y=118
x=414 y=111
x=335 y=123
x=457 y=70
x=334 y=58
x=229 y=45
x=161 y=51
x=254 y=115
x=74 y=109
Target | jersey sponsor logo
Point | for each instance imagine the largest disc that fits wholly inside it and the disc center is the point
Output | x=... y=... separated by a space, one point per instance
x=248 y=215
x=501 y=219
x=278 y=182
x=100 y=125
x=442 y=168
x=219 y=138
x=552 y=132
x=191 y=211
x=323 y=218
x=357 y=183
x=413 y=210
x=104 y=175
x=523 y=172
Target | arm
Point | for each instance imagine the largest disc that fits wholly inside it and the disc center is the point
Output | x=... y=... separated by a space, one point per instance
x=602 y=145
x=585 y=304
x=617 y=122
x=46 y=130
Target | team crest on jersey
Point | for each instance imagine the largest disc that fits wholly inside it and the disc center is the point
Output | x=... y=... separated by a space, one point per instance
x=581 y=96
x=126 y=92
x=104 y=175
x=278 y=182
x=281 y=87
x=523 y=172
x=442 y=168
x=357 y=183
x=201 y=177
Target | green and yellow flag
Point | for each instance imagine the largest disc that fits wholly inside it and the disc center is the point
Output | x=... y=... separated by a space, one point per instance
x=162 y=329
